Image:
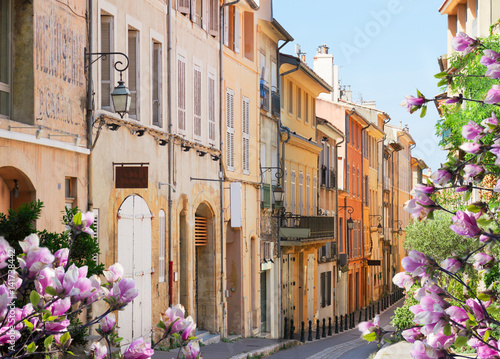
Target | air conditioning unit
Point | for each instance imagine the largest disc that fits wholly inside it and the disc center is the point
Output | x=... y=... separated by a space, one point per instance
x=342 y=259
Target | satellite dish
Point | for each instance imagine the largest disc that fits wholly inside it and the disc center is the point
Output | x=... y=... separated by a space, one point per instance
x=297 y=49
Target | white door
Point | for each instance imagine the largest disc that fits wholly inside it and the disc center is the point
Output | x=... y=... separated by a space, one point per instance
x=134 y=253
x=310 y=286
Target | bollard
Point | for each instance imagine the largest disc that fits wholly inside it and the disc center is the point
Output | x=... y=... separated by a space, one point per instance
x=359 y=321
x=317 y=329
x=373 y=310
x=366 y=314
x=285 y=329
x=346 y=326
x=292 y=329
x=353 y=316
x=329 y=326
x=310 y=336
x=378 y=307
x=323 y=333
x=341 y=323
x=336 y=324
x=302 y=334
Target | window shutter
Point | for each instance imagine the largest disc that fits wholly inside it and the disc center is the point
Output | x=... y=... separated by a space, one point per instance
x=299 y=102
x=200 y=231
x=315 y=197
x=301 y=192
x=133 y=72
x=106 y=64
x=213 y=26
x=194 y=16
x=96 y=232
x=226 y=26
x=197 y=102
x=211 y=109
x=246 y=134
x=156 y=95
x=161 y=254
x=230 y=129
x=308 y=194
x=237 y=30
x=183 y=6
x=329 y=288
x=323 y=290
x=181 y=94
x=293 y=192
x=290 y=97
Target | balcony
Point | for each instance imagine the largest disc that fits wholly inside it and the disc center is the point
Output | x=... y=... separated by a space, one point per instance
x=302 y=230
x=264 y=97
x=275 y=108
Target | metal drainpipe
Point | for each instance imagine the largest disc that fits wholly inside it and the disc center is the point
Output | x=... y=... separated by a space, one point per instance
x=221 y=165
x=337 y=222
x=90 y=112
x=170 y=156
x=347 y=118
x=363 y=200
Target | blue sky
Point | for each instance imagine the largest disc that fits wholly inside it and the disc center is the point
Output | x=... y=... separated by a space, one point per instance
x=386 y=49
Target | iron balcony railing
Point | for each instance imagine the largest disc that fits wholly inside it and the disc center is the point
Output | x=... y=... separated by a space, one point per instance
x=319 y=226
x=275 y=106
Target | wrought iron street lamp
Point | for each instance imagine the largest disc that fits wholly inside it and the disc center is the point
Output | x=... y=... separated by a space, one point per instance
x=120 y=96
x=278 y=195
x=400 y=223
x=380 y=229
x=350 y=210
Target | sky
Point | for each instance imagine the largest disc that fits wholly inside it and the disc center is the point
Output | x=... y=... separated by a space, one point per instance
x=385 y=49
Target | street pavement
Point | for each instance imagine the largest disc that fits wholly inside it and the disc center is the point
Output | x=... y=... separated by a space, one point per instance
x=346 y=345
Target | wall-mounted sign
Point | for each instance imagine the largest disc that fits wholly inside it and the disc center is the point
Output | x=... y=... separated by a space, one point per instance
x=131 y=177
x=373 y=262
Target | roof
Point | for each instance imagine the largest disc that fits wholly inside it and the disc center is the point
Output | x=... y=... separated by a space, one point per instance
x=295 y=61
x=449 y=7
x=282 y=30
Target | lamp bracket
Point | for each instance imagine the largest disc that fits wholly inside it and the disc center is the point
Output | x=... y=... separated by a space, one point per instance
x=104 y=56
x=279 y=172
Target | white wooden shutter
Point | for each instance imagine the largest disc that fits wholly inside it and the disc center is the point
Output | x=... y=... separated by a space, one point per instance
x=308 y=194
x=213 y=26
x=183 y=6
x=156 y=95
x=107 y=63
x=226 y=26
x=237 y=30
x=194 y=15
x=230 y=129
x=181 y=94
x=246 y=134
x=96 y=232
x=197 y=102
x=161 y=247
x=301 y=192
x=211 y=109
x=133 y=73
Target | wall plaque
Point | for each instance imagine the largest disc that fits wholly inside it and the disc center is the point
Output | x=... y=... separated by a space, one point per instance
x=373 y=262
x=131 y=177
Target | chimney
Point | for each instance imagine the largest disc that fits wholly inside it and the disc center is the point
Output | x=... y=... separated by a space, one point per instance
x=325 y=68
x=303 y=57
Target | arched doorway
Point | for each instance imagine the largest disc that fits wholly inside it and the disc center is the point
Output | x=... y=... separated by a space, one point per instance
x=134 y=253
x=16 y=189
x=205 y=291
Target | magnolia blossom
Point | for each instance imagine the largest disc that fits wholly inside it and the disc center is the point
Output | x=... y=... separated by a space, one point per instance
x=82 y=222
x=403 y=280
x=440 y=341
x=413 y=103
x=124 y=291
x=5 y=252
x=114 y=273
x=172 y=317
x=61 y=257
x=478 y=308
x=423 y=189
x=411 y=334
x=457 y=314
x=471 y=171
x=451 y=264
x=487 y=352
x=481 y=260
x=424 y=351
x=441 y=177
x=464 y=224
x=490 y=123
x=138 y=349
x=493 y=71
x=98 y=351
x=493 y=95
x=489 y=57
x=189 y=329
x=108 y=323
x=415 y=263
x=471 y=147
x=472 y=131
x=463 y=42
x=7 y=335
x=192 y=350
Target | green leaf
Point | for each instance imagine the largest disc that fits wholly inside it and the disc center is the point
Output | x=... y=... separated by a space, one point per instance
x=161 y=325
x=442 y=82
x=473 y=208
x=28 y=325
x=31 y=347
x=50 y=291
x=484 y=222
x=423 y=112
x=486 y=335
x=71 y=353
x=441 y=75
x=46 y=316
x=370 y=337
x=430 y=215
x=48 y=341
x=460 y=342
x=447 y=330
x=65 y=337
x=467 y=195
x=419 y=94
x=493 y=311
x=34 y=298
x=483 y=297
x=77 y=219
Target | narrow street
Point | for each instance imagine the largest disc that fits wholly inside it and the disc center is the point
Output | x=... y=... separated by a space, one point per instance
x=341 y=346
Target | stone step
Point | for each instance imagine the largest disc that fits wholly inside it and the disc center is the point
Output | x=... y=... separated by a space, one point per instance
x=207 y=338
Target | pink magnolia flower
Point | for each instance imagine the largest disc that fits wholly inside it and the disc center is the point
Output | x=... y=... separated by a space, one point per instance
x=192 y=350
x=441 y=177
x=451 y=264
x=364 y=327
x=95 y=289
x=189 y=329
x=403 y=280
x=172 y=317
x=108 y=323
x=471 y=171
x=440 y=341
x=124 y=291
x=8 y=334
x=138 y=349
x=493 y=95
x=490 y=123
x=424 y=351
x=463 y=43
x=422 y=189
x=61 y=257
x=487 y=352
x=44 y=279
x=464 y=224
x=493 y=71
x=36 y=260
x=481 y=260
x=457 y=314
x=114 y=273
x=412 y=103
x=432 y=303
x=477 y=309
x=98 y=351
x=462 y=189
x=415 y=263
x=471 y=147
x=32 y=241
x=489 y=57
x=411 y=334
x=82 y=222
x=472 y=131
x=5 y=252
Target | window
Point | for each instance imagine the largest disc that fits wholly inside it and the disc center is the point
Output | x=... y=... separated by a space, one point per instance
x=306 y=115
x=107 y=62
x=181 y=94
x=197 y=12
x=213 y=20
x=197 y=102
x=246 y=134
x=183 y=6
x=133 y=72
x=347 y=129
x=230 y=129
x=248 y=31
x=308 y=194
x=290 y=96
x=315 y=197
x=348 y=178
x=5 y=38
x=70 y=192
x=341 y=235
x=232 y=37
x=293 y=190
x=326 y=289
x=156 y=80
x=301 y=192
x=161 y=254
x=299 y=103
x=358 y=182
x=211 y=109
